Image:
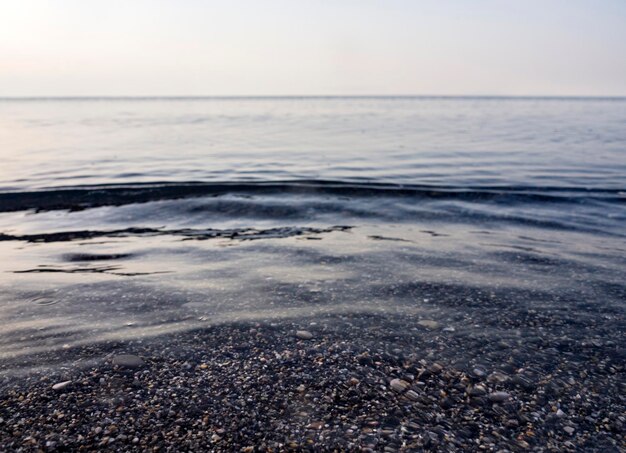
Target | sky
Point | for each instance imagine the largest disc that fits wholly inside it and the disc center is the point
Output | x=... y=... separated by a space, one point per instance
x=312 y=47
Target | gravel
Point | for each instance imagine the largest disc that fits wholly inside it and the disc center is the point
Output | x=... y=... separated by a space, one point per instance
x=367 y=383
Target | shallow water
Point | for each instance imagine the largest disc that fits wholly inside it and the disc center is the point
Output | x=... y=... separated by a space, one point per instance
x=126 y=218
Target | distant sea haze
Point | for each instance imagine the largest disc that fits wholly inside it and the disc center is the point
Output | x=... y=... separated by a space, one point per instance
x=451 y=141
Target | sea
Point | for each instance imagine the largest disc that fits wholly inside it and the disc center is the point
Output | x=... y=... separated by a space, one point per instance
x=491 y=219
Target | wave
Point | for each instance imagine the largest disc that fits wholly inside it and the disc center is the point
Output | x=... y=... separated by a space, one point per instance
x=240 y=234
x=76 y=198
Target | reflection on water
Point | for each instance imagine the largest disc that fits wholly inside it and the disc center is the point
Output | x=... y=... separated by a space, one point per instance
x=539 y=142
x=483 y=220
x=65 y=294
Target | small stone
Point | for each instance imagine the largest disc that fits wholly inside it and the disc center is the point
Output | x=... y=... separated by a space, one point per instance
x=512 y=423
x=353 y=381
x=399 y=385
x=447 y=403
x=477 y=390
x=315 y=425
x=428 y=323
x=412 y=395
x=128 y=361
x=304 y=334
x=301 y=388
x=61 y=385
x=497 y=378
x=498 y=397
x=569 y=430
x=435 y=368
x=560 y=413
x=479 y=372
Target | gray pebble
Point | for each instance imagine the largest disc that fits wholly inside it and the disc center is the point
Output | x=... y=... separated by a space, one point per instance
x=128 y=361
x=412 y=395
x=499 y=397
x=304 y=334
x=479 y=372
x=399 y=385
x=428 y=323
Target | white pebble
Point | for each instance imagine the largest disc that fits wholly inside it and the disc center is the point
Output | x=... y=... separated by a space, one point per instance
x=61 y=385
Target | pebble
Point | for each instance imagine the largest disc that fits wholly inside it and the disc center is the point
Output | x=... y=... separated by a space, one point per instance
x=412 y=395
x=435 y=368
x=128 y=361
x=569 y=430
x=477 y=390
x=428 y=323
x=479 y=372
x=61 y=385
x=497 y=377
x=304 y=334
x=316 y=425
x=499 y=397
x=399 y=385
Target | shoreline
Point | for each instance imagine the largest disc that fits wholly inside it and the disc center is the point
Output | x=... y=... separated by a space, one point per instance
x=362 y=382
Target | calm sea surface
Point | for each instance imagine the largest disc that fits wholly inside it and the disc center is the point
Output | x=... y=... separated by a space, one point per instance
x=445 y=141
x=133 y=218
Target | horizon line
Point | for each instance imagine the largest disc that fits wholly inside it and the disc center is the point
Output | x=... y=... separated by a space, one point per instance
x=311 y=96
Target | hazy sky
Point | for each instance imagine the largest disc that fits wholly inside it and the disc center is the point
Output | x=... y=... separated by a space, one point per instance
x=310 y=47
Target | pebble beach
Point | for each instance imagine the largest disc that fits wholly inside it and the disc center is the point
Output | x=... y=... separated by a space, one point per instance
x=349 y=383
